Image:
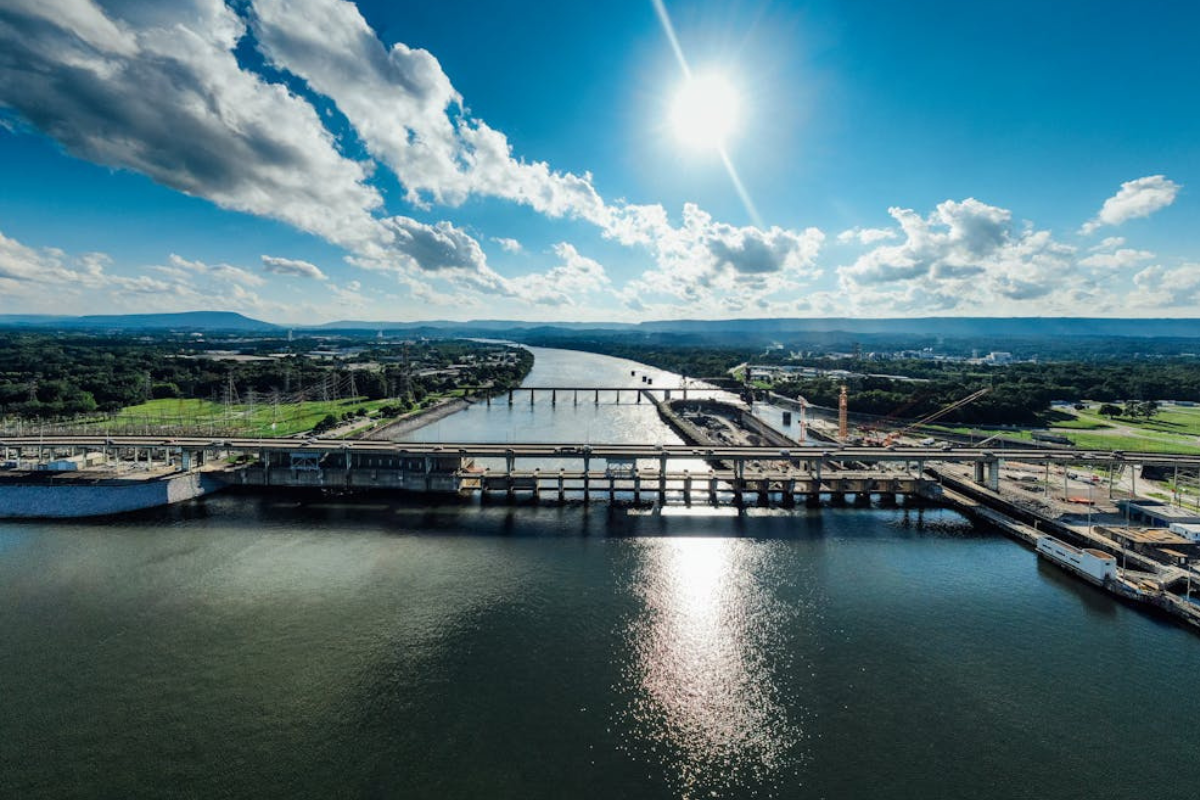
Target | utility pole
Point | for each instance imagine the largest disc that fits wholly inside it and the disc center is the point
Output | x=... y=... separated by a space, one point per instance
x=843 y=415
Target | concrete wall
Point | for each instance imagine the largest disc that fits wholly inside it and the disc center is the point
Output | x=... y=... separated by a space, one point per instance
x=1091 y=564
x=69 y=499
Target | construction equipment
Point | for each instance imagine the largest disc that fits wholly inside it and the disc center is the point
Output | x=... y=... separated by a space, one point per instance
x=941 y=412
x=871 y=430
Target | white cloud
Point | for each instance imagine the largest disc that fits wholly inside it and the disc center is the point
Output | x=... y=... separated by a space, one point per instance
x=508 y=245
x=170 y=101
x=1158 y=288
x=1108 y=243
x=574 y=276
x=292 y=267
x=222 y=271
x=866 y=235
x=48 y=280
x=1119 y=259
x=408 y=113
x=1137 y=198
x=712 y=263
x=160 y=91
x=964 y=255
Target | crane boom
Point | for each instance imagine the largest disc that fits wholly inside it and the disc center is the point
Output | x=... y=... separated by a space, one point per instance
x=941 y=412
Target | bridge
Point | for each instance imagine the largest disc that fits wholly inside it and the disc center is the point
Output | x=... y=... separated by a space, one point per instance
x=561 y=467
x=594 y=393
x=798 y=453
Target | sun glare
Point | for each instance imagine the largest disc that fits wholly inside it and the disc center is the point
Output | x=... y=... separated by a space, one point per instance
x=705 y=112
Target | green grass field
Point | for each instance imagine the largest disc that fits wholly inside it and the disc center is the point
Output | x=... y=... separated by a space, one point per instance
x=1173 y=429
x=201 y=416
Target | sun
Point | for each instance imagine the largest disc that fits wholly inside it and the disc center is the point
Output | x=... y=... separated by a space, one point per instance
x=705 y=112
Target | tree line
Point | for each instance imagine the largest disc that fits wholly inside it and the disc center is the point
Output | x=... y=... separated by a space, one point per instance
x=53 y=376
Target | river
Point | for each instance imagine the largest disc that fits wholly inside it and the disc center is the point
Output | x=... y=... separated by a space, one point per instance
x=248 y=647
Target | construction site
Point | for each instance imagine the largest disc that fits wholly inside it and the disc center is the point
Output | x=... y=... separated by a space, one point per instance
x=1139 y=522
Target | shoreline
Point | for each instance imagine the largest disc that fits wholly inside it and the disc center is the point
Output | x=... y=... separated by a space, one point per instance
x=418 y=420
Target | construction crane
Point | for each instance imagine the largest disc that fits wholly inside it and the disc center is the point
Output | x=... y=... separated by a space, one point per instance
x=941 y=412
x=871 y=430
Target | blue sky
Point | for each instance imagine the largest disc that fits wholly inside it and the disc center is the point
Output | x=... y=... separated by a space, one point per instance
x=316 y=160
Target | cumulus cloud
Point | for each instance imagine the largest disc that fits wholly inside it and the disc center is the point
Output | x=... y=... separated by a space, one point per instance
x=159 y=90
x=1158 y=287
x=1137 y=198
x=224 y=272
x=1118 y=259
x=170 y=101
x=48 y=280
x=574 y=276
x=508 y=245
x=292 y=267
x=709 y=262
x=865 y=235
x=965 y=253
x=23 y=269
x=407 y=112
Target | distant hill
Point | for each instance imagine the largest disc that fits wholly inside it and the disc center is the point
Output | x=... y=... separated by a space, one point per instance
x=955 y=327
x=1032 y=328
x=185 y=321
x=472 y=325
x=1022 y=327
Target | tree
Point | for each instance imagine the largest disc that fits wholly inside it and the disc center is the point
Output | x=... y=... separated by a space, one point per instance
x=1109 y=410
x=326 y=424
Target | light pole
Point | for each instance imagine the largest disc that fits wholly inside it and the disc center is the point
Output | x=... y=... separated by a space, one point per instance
x=1091 y=486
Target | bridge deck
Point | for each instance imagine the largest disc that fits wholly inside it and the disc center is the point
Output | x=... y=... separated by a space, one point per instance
x=581 y=450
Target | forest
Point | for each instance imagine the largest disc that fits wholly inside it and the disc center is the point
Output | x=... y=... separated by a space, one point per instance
x=1019 y=393
x=46 y=375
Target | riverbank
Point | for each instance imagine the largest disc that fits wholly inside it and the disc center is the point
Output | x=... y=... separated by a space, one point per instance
x=417 y=420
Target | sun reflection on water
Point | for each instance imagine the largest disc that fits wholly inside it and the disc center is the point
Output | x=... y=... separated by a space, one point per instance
x=706 y=697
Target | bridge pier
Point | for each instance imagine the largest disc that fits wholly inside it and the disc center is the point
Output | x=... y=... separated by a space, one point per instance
x=637 y=485
x=554 y=397
x=561 y=492
x=510 y=397
x=712 y=487
x=639 y=395
x=687 y=487
x=597 y=401
x=531 y=396
x=662 y=480
x=993 y=475
x=587 y=477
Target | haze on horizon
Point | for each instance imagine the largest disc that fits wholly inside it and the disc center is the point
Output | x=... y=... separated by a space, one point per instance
x=311 y=160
